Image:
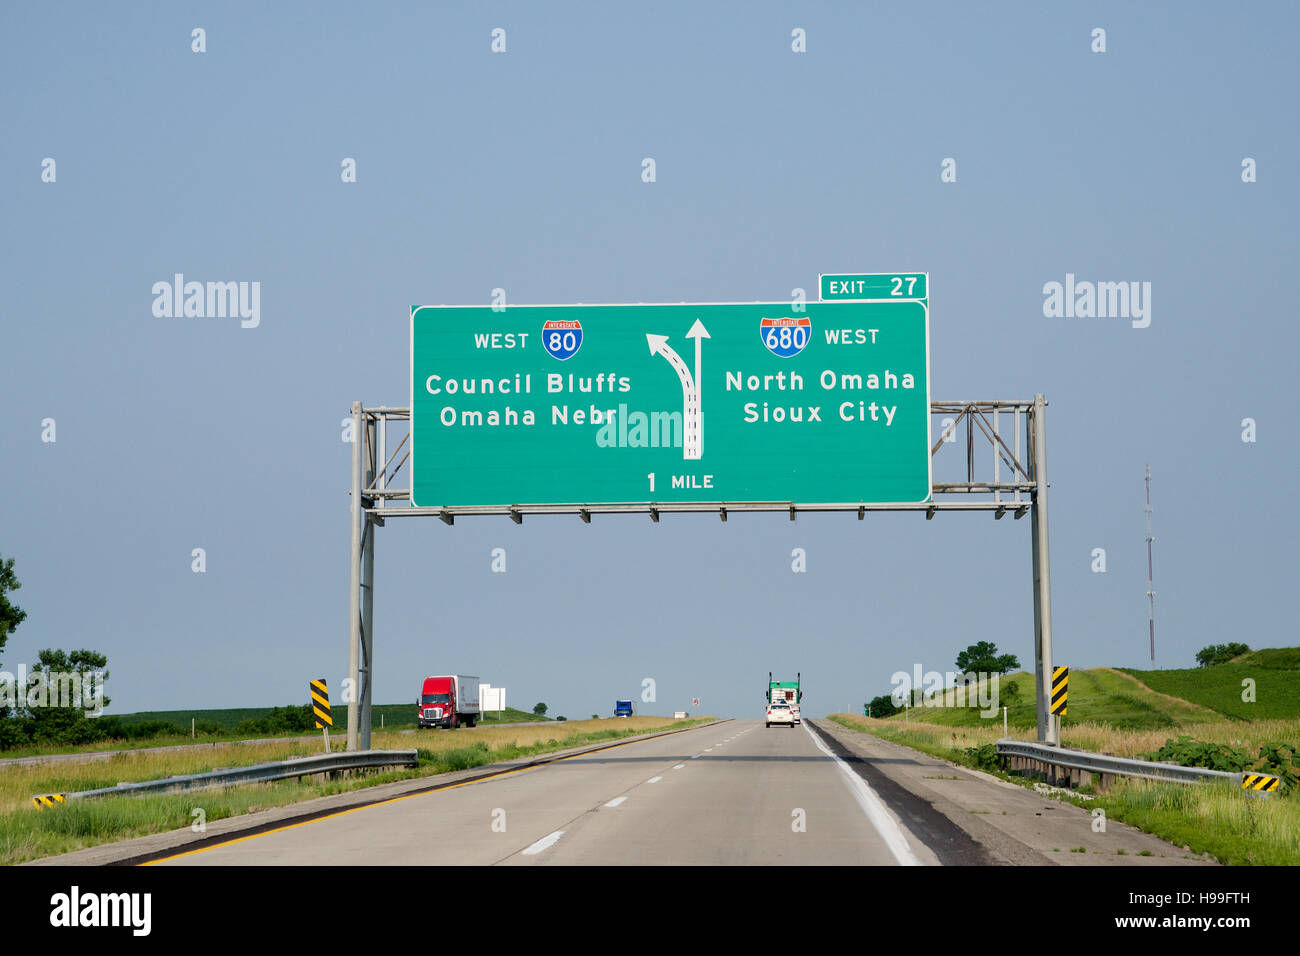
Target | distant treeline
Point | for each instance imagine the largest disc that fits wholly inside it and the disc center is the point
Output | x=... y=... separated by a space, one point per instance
x=70 y=727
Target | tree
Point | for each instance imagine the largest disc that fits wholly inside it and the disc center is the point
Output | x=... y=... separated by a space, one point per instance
x=539 y=710
x=62 y=716
x=10 y=614
x=1219 y=653
x=882 y=706
x=983 y=658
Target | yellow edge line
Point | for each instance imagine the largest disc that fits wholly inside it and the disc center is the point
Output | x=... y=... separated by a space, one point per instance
x=380 y=803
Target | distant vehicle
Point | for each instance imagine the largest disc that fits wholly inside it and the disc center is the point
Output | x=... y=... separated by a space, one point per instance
x=679 y=715
x=449 y=701
x=779 y=712
x=622 y=708
x=786 y=690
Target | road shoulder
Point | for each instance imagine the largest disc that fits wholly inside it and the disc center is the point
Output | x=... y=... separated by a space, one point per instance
x=1014 y=824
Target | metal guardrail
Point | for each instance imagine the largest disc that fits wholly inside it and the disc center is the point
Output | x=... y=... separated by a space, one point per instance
x=257 y=773
x=1117 y=766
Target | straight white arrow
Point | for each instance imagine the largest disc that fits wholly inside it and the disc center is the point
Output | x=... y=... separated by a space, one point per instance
x=698 y=332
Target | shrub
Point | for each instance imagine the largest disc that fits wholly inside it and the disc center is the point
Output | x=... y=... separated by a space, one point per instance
x=1197 y=753
x=281 y=720
x=1219 y=653
x=986 y=757
x=1279 y=759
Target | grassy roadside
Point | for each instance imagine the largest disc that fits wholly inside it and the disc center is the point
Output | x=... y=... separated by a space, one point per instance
x=386 y=717
x=1216 y=819
x=146 y=743
x=27 y=833
x=1085 y=735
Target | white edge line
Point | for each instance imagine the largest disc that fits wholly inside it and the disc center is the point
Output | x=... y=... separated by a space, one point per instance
x=871 y=805
x=544 y=843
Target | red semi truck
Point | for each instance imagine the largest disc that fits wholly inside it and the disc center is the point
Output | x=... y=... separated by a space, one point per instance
x=448 y=701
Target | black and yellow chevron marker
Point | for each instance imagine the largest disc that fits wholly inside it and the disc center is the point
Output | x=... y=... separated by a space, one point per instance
x=1060 y=689
x=1259 y=781
x=47 y=800
x=320 y=704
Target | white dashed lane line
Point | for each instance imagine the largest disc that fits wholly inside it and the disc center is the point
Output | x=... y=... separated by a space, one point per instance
x=616 y=801
x=679 y=766
x=654 y=779
x=545 y=842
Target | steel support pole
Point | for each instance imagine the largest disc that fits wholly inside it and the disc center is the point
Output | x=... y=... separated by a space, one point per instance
x=368 y=592
x=1047 y=728
x=354 y=579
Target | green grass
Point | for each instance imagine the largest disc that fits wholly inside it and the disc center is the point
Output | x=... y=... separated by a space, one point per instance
x=1274 y=670
x=1098 y=695
x=935 y=743
x=1129 y=699
x=1212 y=818
x=512 y=716
x=386 y=717
x=1272 y=658
x=226 y=718
x=389 y=716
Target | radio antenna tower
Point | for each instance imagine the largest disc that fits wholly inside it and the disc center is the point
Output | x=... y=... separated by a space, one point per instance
x=1151 y=594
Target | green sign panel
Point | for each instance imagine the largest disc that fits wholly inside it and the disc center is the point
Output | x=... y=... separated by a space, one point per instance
x=875 y=285
x=758 y=403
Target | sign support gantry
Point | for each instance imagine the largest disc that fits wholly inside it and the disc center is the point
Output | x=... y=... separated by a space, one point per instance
x=1021 y=489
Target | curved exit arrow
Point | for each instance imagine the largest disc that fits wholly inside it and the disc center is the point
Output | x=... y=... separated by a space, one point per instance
x=691 y=419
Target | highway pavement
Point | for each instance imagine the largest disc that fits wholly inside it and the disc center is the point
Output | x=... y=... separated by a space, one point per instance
x=729 y=793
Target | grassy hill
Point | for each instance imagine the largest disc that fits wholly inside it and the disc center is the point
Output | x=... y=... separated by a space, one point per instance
x=1129 y=699
x=1099 y=695
x=1275 y=671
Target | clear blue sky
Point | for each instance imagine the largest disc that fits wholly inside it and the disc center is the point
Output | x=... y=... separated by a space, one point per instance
x=522 y=170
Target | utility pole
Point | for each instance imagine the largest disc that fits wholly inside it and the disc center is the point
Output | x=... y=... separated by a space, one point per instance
x=1037 y=438
x=1151 y=594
